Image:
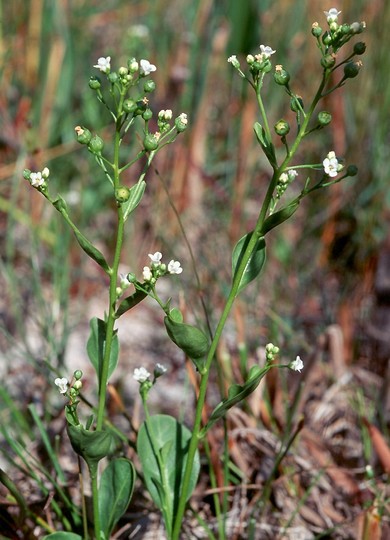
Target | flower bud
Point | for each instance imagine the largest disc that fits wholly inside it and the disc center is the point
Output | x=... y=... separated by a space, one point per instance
x=333 y=26
x=326 y=38
x=94 y=83
x=296 y=103
x=181 y=122
x=352 y=69
x=149 y=86
x=324 y=118
x=131 y=278
x=281 y=76
x=352 y=170
x=357 y=28
x=77 y=385
x=316 y=30
x=133 y=65
x=359 y=48
x=328 y=61
x=123 y=71
x=26 y=174
x=78 y=374
x=96 y=144
x=266 y=67
x=345 y=29
x=282 y=127
x=141 y=106
x=150 y=142
x=84 y=136
x=113 y=77
x=147 y=115
x=129 y=105
x=122 y=194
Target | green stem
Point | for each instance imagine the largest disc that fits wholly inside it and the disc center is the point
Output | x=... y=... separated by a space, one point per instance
x=256 y=235
x=93 y=471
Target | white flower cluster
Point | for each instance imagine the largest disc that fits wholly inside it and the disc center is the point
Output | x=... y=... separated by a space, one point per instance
x=332 y=167
x=142 y=375
x=38 y=179
x=158 y=269
x=145 y=67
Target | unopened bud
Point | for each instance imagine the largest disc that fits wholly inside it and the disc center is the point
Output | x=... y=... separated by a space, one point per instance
x=327 y=38
x=328 y=61
x=150 y=142
x=83 y=135
x=149 y=86
x=78 y=374
x=352 y=69
x=94 y=83
x=282 y=127
x=77 y=385
x=359 y=48
x=123 y=71
x=324 y=118
x=96 y=144
x=129 y=105
x=281 y=76
x=122 y=194
x=296 y=103
x=113 y=77
x=316 y=30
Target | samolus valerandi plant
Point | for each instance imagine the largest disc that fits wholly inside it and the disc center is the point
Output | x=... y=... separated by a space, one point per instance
x=168 y=451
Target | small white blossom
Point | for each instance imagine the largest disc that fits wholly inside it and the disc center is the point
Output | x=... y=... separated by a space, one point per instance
x=147 y=273
x=146 y=67
x=174 y=267
x=183 y=118
x=332 y=14
x=250 y=59
x=124 y=281
x=62 y=384
x=103 y=64
x=266 y=51
x=297 y=364
x=141 y=374
x=165 y=115
x=155 y=257
x=331 y=165
x=233 y=60
x=159 y=370
x=292 y=173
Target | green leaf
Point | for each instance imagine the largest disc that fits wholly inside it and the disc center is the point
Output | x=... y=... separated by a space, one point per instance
x=279 y=217
x=189 y=339
x=91 y=445
x=130 y=302
x=136 y=194
x=255 y=263
x=237 y=393
x=115 y=491
x=267 y=146
x=62 y=536
x=96 y=345
x=171 y=440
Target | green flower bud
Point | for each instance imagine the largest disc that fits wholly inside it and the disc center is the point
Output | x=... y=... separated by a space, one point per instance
x=359 y=48
x=295 y=102
x=129 y=105
x=122 y=194
x=281 y=76
x=123 y=71
x=333 y=26
x=352 y=170
x=328 y=61
x=150 y=142
x=316 y=30
x=141 y=106
x=326 y=38
x=84 y=136
x=352 y=69
x=345 y=29
x=94 y=83
x=96 y=144
x=147 y=115
x=78 y=374
x=181 y=122
x=132 y=278
x=282 y=127
x=149 y=86
x=324 y=118
x=26 y=174
x=267 y=66
x=113 y=77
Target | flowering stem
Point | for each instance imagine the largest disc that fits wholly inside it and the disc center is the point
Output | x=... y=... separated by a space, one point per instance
x=255 y=237
x=93 y=472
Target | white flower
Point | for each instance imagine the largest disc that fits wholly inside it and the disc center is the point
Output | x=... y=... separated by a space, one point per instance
x=174 y=267
x=159 y=370
x=331 y=165
x=155 y=257
x=297 y=364
x=45 y=173
x=165 y=115
x=266 y=51
x=146 y=67
x=36 y=179
x=183 y=118
x=62 y=384
x=147 y=273
x=234 y=61
x=332 y=14
x=292 y=173
x=103 y=64
x=141 y=374
x=124 y=281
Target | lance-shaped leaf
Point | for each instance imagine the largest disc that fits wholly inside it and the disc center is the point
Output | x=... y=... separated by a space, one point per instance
x=255 y=263
x=237 y=393
x=267 y=146
x=136 y=194
x=115 y=490
x=130 y=302
x=277 y=218
x=96 y=347
x=84 y=243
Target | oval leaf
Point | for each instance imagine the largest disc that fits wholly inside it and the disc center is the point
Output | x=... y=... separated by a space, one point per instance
x=189 y=339
x=115 y=491
x=96 y=345
x=172 y=441
x=255 y=263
